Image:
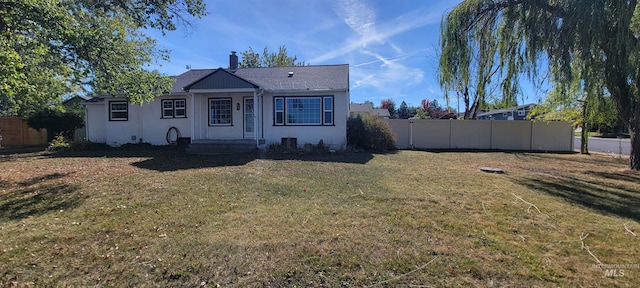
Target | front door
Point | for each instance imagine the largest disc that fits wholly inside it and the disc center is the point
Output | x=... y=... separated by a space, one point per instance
x=248 y=118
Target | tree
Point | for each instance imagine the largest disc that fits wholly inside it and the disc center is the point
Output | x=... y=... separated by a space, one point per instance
x=403 y=111
x=468 y=65
x=251 y=59
x=57 y=121
x=389 y=105
x=49 y=48
x=593 y=41
x=432 y=110
x=575 y=105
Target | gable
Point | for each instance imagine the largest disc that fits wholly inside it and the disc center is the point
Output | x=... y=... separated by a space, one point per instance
x=220 y=79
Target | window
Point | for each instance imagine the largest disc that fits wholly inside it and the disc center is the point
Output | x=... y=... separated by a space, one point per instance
x=180 y=106
x=118 y=111
x=328 y=111
x=521 y=113
x=220 y=111
x=174 y=108
x=279 y=111
x=303 y=110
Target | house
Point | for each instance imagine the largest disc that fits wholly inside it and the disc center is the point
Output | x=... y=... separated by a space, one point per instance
x=511 y=113
x=75 y=100
x=356 y=109
x=260 y=106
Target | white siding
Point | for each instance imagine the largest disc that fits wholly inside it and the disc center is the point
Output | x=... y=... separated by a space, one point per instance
x=144 y=124
x=334 y=136
x=96 y=118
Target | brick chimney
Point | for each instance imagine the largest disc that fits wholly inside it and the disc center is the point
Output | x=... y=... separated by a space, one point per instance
x=233 y=61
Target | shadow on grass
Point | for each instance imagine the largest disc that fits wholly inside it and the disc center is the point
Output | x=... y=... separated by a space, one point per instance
x=165 y=163
x=628 y=176
x=560 y=157
x=32 y=200
x=171 y=158
x=593 y=194
x=176 y=162
x=39 y=179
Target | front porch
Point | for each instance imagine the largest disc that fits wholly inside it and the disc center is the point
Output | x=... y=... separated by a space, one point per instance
x=225 y=108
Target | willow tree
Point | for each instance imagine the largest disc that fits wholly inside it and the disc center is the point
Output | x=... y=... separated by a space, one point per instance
x=601 y=37
x=468 y=61
x=582 y=108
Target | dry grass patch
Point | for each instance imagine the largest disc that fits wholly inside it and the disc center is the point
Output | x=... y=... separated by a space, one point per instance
x=161 y=218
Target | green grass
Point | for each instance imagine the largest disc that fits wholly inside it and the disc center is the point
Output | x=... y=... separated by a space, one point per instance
x=162 y=218
x=591 y=134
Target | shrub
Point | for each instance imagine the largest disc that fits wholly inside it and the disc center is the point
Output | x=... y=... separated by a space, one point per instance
x=370 y=132
x=57 y=122
x=58 y=143
x=277 y=148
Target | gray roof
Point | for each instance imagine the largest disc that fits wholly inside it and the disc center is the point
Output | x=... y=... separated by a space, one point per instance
x=382 y=112
x=188 y=77
x=321 y=77
x=221 y=79
x=361 y=107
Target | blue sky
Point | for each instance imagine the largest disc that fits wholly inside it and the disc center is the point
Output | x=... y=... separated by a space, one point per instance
x=391 y=46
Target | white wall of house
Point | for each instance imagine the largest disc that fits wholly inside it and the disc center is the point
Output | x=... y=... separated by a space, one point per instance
x=95 y=120
x=144 y=123
x=334 y=136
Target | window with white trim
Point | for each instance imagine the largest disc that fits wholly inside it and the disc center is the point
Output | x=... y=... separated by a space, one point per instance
x=522 y=112
x=279 y=111
x=327 y=109
x=220 y=111
x=174 y=108
x=118 y=111
x=302 y=111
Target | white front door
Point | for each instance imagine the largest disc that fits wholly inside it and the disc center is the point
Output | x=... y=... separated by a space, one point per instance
x=248 y=118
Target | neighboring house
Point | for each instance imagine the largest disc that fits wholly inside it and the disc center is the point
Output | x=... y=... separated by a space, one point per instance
x=512 y=113
x=356 y=109
x=293 y=105
x=75 y=100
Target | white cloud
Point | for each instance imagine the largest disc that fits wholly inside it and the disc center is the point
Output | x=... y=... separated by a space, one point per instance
x=389 y=77
x=357 y=15
x=361 y=19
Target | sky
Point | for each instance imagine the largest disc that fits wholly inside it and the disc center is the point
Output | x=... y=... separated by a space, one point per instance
x=390 y=46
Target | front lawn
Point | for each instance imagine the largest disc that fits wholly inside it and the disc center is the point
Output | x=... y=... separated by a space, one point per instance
x=412 y=219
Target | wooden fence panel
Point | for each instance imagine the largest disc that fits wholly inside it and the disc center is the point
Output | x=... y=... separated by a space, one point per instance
x=16 y=133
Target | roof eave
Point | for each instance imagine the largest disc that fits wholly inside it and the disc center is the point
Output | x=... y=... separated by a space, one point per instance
x=230 y=90
x=307 y=90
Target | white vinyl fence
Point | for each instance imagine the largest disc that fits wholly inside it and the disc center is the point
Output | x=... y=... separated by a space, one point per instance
x=482 y=135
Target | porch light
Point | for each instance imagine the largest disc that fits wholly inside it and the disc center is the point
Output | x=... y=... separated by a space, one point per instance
x=238 y=106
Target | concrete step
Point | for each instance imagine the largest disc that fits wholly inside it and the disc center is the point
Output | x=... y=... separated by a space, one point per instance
x=217 y=147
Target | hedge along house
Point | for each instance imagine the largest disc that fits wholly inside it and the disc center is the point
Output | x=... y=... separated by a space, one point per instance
x=237 y=106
